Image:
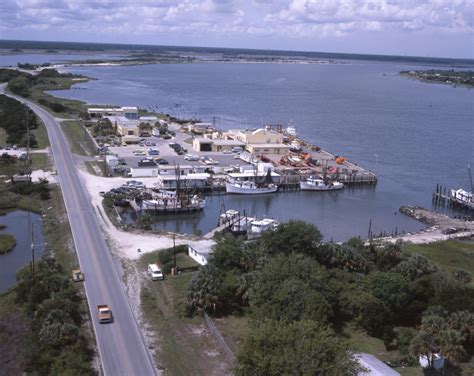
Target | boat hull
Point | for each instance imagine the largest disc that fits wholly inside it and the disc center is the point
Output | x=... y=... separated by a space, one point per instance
x=236 y=190
x=305 y=186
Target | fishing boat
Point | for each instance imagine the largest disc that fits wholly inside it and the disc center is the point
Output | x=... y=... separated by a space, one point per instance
x=169 y=201
x=316 y=184
x=245 y=187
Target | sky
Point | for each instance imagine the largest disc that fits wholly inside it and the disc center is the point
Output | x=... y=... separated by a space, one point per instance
x=434 y=28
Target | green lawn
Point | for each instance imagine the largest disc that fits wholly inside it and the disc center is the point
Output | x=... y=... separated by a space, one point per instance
x=450 y=254
x=3 y=137
x=79 y=141
x=41 y=135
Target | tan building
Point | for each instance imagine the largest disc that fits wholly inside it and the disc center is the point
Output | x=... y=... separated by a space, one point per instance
x=259 y=136
x=262 y=141
x=124 y=126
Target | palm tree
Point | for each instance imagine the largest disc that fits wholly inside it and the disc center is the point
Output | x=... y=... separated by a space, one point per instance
x=452 y=346
x=145 y=127
x=433 y=324
x=423 y=345
x=462 y=321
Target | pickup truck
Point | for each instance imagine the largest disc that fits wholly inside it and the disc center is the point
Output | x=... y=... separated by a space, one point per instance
x=104 y=313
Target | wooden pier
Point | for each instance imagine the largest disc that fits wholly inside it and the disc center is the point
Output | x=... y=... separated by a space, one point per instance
x=444 y=196
x=242 y=222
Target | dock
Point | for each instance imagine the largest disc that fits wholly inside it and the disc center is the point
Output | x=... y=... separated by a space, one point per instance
x=456 y=198
x=236 y=221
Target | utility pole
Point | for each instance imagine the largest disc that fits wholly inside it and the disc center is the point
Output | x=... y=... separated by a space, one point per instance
x=32 y=240
x=174 y=253
x=27 y=134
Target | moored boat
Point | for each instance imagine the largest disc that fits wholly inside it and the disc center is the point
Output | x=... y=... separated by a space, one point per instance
x=245 y=187
x=316 y=184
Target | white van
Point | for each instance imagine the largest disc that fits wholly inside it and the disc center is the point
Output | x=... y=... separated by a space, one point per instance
x=155 y=272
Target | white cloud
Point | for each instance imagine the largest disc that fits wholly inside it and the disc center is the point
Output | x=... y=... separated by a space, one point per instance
x=222 y=19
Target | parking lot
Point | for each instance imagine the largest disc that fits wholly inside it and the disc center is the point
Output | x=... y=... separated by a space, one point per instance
x=165 y=151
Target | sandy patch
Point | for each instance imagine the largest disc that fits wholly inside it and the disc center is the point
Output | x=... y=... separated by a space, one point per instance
x=124 y=243
x=50 y=176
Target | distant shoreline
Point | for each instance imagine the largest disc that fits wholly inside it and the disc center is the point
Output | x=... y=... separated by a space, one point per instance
x=445 y=77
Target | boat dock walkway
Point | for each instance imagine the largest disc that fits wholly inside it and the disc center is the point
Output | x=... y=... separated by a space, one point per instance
x=240 y=222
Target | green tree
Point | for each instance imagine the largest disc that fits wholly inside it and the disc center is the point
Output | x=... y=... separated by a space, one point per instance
x=204 y=290
x=21 y=85
x=299 y=348
x=415 y=267
x=291 y=288
x=390 y=288
x=292 y=237
x=370 y=313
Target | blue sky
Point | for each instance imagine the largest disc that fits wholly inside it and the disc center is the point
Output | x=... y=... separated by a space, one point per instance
x=442 y=28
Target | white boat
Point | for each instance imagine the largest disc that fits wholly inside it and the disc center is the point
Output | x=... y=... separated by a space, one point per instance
x=316 y=184
x=245 y=187
x=167 y=201
x=463 y=197
x=291 y=130
x=295 y=146
x=258 y=227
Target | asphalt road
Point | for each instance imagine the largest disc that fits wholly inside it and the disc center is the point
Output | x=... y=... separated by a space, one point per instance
x=121 y=345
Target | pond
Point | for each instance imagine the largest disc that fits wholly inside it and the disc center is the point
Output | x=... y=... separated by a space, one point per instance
x=19 y=223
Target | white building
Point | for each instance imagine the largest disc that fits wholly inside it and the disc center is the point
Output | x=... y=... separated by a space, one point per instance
x=374 y=366
x=99 y=112
x=143 y=172
x=202 y=251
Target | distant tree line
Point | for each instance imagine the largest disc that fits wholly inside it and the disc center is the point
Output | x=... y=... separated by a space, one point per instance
x=301 y=293
x=29 y=66
x=13 y=117
x=22 y=83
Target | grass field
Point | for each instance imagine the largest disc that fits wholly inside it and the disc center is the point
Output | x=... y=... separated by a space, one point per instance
x=183 y=345
x=79 y=141
x=452 y=255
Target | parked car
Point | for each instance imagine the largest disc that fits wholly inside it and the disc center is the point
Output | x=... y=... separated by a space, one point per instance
x=191 y=157
x=161 y=161
x=172 y=145
x=139 y=152
x=153 y=152
x=146 y=163
x=135 y=184
x=150 y=143
x=155 y=272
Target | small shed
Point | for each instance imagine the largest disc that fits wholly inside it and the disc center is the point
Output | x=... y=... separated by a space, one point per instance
x=374 y=366
x=201 y=251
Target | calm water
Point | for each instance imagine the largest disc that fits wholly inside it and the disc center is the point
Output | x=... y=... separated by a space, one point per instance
x=423 y=134
x=18 y=224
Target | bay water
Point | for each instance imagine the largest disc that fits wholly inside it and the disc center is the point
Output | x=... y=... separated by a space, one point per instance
x=413 y=134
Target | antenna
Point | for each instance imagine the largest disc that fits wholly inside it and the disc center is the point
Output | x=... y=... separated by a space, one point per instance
x=470 y=176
